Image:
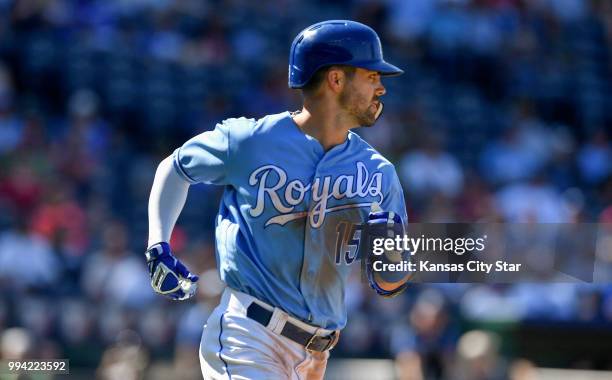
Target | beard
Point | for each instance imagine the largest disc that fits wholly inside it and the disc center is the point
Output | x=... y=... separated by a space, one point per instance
x=359 y=108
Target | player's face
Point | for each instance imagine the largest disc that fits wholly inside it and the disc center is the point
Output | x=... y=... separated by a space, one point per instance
x=360 y=96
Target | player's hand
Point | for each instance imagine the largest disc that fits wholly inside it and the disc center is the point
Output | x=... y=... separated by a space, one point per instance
x=385 y=224
x=379 y=217
x=168 y=275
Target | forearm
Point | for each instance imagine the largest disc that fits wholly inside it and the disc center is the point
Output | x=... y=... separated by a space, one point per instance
x=168 y=195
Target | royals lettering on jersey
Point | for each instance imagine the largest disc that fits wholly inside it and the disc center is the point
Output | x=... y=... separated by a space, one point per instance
x=285 y=198
x=361 y=184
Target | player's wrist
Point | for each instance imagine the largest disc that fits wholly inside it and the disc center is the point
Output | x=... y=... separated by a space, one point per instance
x=155 y=242
x=157 y=250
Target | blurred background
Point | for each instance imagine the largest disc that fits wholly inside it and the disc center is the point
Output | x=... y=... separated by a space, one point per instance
x=503 y=115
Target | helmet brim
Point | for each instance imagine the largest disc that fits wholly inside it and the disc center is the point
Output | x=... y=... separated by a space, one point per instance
x=384 y=68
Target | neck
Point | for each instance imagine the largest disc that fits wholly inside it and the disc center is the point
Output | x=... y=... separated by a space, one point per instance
x=325 y=123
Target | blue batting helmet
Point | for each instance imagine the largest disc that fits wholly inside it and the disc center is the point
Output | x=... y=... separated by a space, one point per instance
x=336 y=42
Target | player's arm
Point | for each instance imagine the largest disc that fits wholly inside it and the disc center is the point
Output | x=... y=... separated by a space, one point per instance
x=205 y=158
x=168 y=194
x=387 y=221
x=166 y=201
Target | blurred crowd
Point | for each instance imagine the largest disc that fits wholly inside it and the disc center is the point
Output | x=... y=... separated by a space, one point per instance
x=502 y=116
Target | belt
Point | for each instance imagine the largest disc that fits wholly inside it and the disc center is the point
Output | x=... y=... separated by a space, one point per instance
x=311 y=342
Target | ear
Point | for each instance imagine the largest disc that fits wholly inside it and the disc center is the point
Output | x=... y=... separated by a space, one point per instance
x=336 y=79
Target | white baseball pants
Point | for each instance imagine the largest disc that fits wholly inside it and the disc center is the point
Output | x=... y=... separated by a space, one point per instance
x=236 y=347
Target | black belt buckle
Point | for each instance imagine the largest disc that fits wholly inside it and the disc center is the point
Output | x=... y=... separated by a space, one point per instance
x=315 y=341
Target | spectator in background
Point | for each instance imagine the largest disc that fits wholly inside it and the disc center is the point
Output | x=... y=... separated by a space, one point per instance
x=523 y=149
x=127 y=359
x=87 y=130
x=430 y=170
x=113 y=274
x=566 y=11
x=521 y=301
x=11 y=126
x=76 y=324
x=424 y=345
x=83 y=145
x=165 y=43
x=437 y=209
x=447 y=35
x=156 y=325
x=595 y=159
x=26 y=260
x=476 y=202
x=484 y=303
x=479 y=357
x=509 y=159
x=410 y=19
x=60 y=218
x=37 y=314
x=535 y=201
x=21 y=190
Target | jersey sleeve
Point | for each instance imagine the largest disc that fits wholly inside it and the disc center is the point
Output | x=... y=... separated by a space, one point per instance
x=205 y=158
x=394 y=197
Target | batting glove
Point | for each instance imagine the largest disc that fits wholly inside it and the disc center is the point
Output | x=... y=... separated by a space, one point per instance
x=389 y=218
x=169 y=276
x=378 y=219
x=385 y=224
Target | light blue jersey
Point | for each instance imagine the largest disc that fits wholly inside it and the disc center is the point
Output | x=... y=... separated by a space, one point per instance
x=285 y=232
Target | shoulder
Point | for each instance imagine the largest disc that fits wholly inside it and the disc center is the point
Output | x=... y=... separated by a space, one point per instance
x=245 y=127
x=369 y=154
x=236 y=125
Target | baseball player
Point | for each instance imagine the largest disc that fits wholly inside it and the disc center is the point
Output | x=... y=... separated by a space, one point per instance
x=297 y=186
